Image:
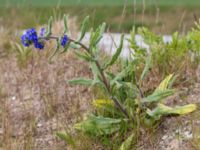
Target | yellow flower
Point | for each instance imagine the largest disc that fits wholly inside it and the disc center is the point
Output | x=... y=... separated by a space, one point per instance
x=99 y=103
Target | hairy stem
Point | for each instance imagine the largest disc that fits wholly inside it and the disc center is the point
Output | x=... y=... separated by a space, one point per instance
x=140 y=90
x=104 y=79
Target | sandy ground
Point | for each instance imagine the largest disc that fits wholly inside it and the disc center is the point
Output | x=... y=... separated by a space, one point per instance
x=36 y=102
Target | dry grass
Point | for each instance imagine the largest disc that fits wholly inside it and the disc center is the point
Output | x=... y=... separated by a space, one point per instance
x=36 y=101
x=39 y=101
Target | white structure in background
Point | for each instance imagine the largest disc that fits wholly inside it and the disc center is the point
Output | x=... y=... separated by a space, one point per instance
x=110 y=41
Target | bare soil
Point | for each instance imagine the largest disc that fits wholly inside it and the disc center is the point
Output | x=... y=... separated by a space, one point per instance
x=36 y=102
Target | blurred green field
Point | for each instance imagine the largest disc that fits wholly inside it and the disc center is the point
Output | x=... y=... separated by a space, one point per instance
x=98 y=2
x=161 y=16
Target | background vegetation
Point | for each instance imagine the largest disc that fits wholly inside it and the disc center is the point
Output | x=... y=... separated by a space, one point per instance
x=102 y=2
x=37 y=102
x=120 y=15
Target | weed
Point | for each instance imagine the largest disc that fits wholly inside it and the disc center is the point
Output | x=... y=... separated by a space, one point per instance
x=23 y=55
x=127 y=108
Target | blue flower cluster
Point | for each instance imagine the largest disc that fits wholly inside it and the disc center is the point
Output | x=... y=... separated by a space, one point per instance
x=30 y=37
x=64 y=40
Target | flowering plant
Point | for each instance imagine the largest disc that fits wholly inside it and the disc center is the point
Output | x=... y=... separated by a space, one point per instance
x=124 y=106
x=30 y=37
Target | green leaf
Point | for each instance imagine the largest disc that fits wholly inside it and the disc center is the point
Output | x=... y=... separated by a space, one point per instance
x=101 y=31
x=133 y=43
x=98 y=125
x=146 y=68
x=183 y=110
x=122 y=74
x=166 y=110
x=81 y=81
x=83 y=55
x=95 y=51
x=117 y=53
x=97 y=35
x=56 y=49
x=67 y=138
x=172 y=80
x=66 y=47
x=74 y=46
x=127 y=143
x=95 y=70
x=158 y=96
x=49 y=29
x=65 y=20
x=20 y=49
x=161 y=91
x=84 y=28
x=165 y=83
x=149 y=37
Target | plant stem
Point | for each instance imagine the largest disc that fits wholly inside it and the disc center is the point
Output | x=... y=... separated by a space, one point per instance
x=104 y=79
x=138 y=85
x=103 y=76
x=140 y=90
